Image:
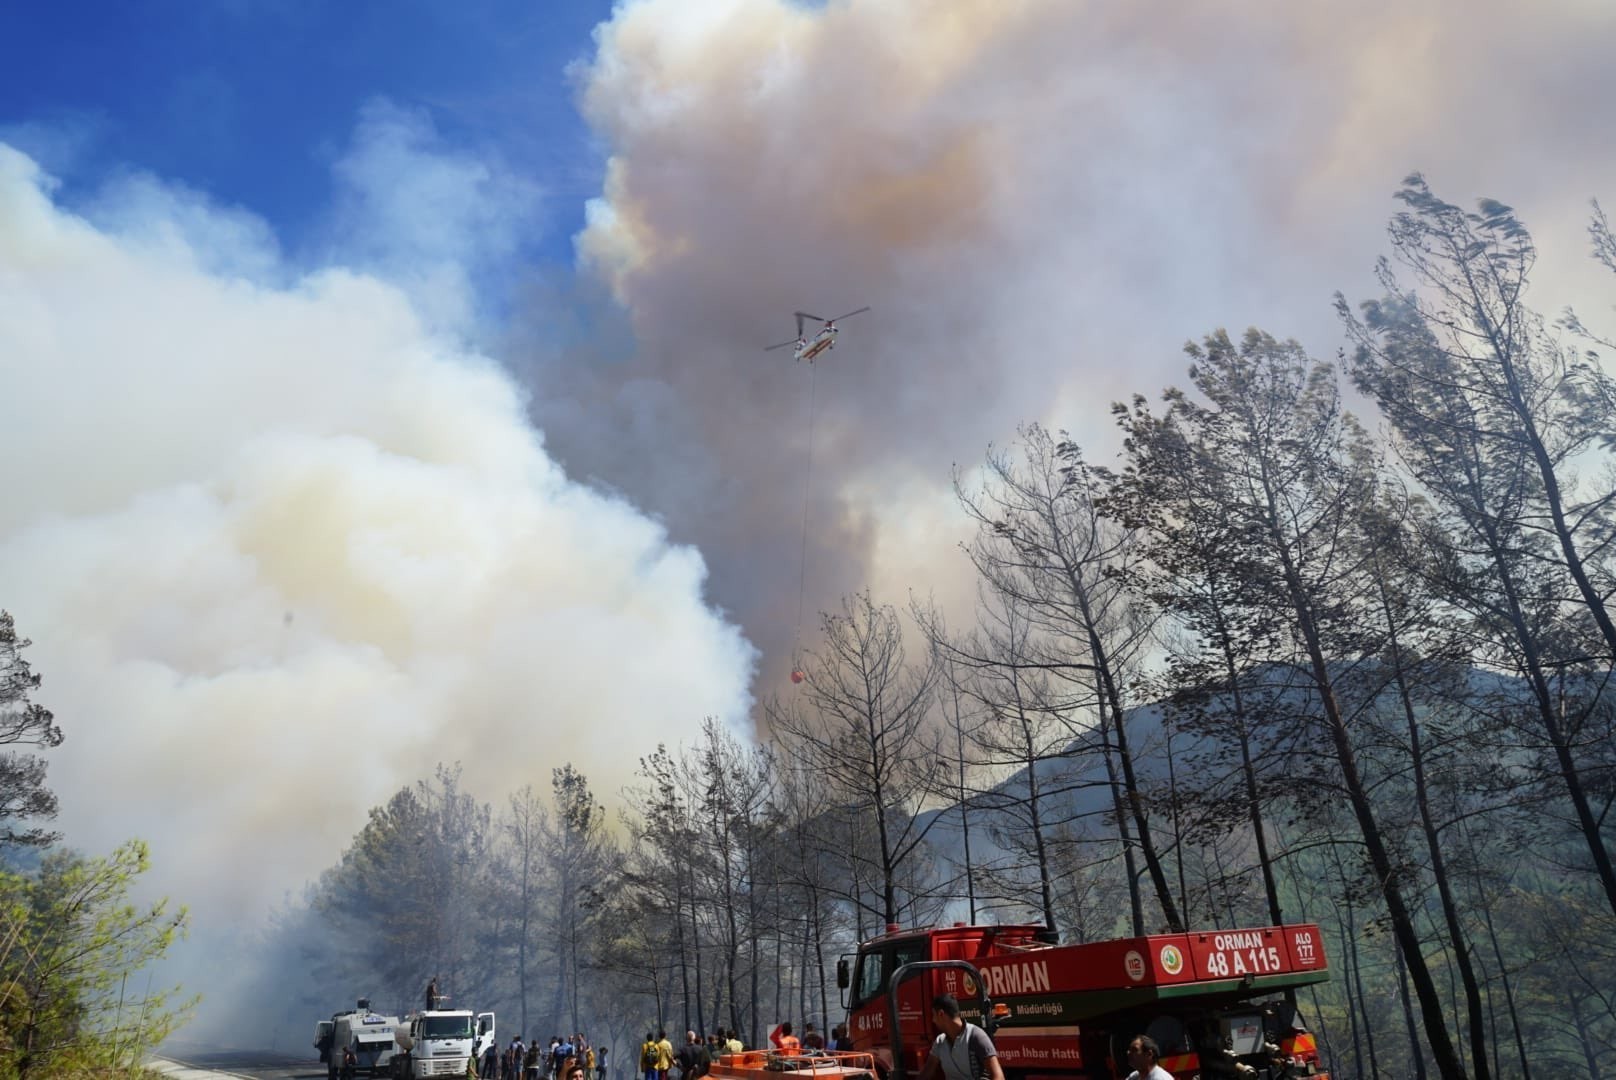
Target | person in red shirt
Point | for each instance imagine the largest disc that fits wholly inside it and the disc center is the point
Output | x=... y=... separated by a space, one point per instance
x=784 y=1041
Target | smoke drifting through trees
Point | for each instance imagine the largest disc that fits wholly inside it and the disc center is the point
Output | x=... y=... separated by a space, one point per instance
x=1306 y=608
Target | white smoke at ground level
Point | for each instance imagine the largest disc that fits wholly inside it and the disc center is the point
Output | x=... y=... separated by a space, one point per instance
x=281 y=550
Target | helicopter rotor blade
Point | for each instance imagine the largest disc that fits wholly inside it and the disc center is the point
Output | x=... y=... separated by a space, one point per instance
x=850 y=314
x=809 y=315
x=782 y=345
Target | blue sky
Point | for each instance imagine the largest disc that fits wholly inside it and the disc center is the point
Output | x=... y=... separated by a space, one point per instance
x=251 y=101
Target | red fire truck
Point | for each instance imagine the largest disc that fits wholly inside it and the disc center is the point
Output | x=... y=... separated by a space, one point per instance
x=1218 y=1003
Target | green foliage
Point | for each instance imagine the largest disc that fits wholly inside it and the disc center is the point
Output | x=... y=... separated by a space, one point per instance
x=72 y=945
x=23 y=794
x=395 y=902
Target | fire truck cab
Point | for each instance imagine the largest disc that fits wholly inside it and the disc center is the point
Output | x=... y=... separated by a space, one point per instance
x=1217 y=1003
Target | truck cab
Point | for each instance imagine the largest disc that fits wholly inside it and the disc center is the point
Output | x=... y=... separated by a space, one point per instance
x=438 y=1042
x=1218 y=1003
x=868 y=978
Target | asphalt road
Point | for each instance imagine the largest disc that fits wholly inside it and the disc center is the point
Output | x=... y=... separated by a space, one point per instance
x=258 y=1064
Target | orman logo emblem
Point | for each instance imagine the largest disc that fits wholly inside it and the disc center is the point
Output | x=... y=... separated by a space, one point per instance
x=970 y=984
x=1172 y=961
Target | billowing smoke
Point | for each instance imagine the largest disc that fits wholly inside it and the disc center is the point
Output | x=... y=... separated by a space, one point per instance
x=283 y=544
x=1041 y=200
x=282 y=547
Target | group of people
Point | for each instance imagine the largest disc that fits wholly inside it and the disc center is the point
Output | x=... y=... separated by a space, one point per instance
x=812 y=1039
x=696 y=1055
x=571 y=1058
x=961 y=1051
x=693 y=1058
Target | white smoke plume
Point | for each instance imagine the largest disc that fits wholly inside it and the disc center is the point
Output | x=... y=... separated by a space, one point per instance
x=282 y=547
x=1041 y=199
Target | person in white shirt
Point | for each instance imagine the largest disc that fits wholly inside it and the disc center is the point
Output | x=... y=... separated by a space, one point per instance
x=1143 y=1053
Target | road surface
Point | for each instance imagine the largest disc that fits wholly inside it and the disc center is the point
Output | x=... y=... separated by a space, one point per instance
x=189 y=1061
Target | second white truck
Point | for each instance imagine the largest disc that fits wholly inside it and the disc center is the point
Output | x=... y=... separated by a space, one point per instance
x=439 y=1043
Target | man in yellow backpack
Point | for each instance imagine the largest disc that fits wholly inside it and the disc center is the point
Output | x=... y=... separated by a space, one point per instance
x=648 y=1057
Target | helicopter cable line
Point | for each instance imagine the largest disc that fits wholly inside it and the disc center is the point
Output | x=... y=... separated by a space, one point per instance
x=807 y=492
x=806 y=348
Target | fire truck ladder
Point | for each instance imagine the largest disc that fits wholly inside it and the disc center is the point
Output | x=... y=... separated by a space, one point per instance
x=988 y=1020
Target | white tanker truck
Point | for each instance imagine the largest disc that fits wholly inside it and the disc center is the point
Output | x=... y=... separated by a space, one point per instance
x=437 y=1043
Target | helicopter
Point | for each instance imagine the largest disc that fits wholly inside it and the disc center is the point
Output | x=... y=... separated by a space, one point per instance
x=809 y=347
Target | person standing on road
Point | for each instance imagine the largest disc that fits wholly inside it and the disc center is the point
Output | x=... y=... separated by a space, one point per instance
x=491 y=1061
x=962 y=1051
x=689 y=1057
x=664 y=1052
x=649 y=1055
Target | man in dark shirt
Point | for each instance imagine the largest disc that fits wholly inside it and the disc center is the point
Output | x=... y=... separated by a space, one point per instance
x=690 y=1057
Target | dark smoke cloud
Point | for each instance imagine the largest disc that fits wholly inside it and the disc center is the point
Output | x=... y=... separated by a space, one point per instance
x=1040 y=200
